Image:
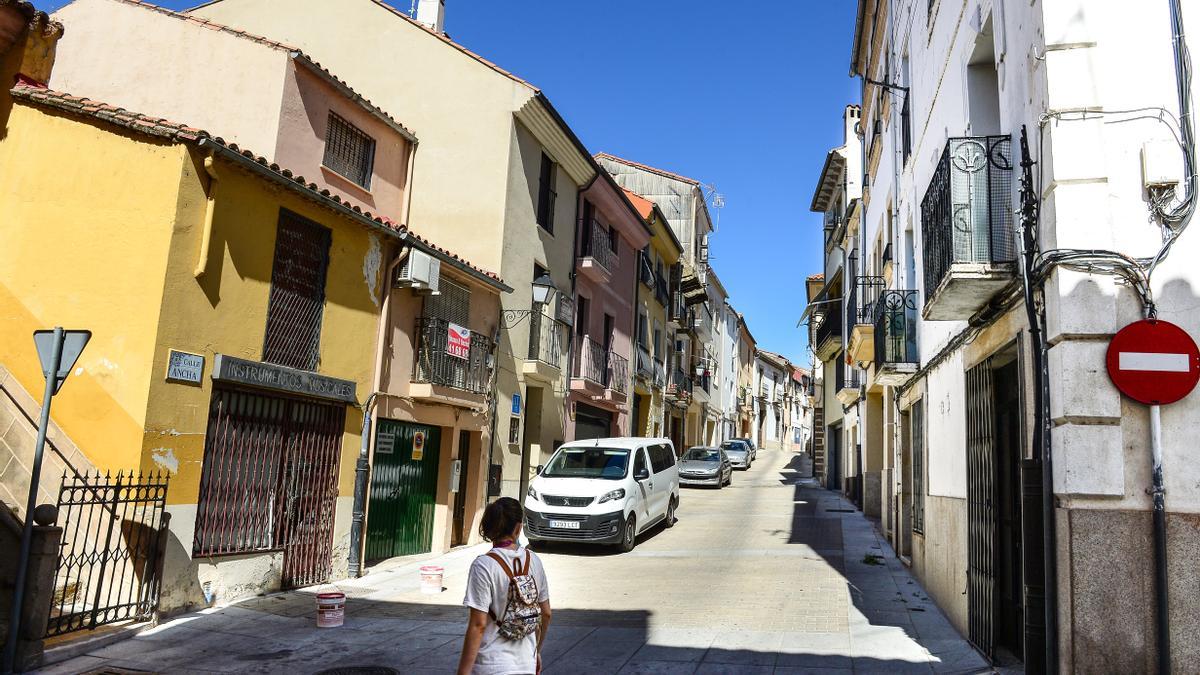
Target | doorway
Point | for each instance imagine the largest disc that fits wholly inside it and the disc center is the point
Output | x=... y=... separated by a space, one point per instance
x=531 y=436
x=592 y=422
x=460 y=535
x=403 y=491
x=995 y=452
x=833 y=443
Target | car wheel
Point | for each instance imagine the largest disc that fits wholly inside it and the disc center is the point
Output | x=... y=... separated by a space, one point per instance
x=629 y=536
x=671 y=512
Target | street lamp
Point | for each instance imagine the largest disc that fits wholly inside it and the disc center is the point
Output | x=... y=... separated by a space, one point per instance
x=543 y=293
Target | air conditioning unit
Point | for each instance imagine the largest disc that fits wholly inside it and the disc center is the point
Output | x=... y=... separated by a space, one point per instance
x=420 y=272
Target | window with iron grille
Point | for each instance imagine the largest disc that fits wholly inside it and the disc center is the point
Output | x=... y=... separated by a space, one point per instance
x=297 y=300
x=547 y=193
x=918 y=466
x=349 y=151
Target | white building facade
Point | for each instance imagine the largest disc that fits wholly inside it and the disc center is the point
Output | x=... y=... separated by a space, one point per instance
x=1004 y=466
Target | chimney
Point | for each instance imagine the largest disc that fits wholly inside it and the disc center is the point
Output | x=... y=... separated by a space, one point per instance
x=432 y=13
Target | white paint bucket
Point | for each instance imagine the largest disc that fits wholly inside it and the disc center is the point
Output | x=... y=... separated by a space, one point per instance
x=331 y=609
x=431 y=579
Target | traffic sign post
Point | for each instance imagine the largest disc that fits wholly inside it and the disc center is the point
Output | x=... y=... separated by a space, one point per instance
x=1156 y=363
x=57 y=350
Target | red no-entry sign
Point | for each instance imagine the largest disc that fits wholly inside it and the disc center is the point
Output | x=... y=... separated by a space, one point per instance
x=1153 y=362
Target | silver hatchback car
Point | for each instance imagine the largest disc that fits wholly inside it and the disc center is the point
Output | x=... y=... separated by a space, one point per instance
x=705 y=466
x=739 y=454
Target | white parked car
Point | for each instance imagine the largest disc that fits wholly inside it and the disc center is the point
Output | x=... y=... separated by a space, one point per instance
x=604 y=491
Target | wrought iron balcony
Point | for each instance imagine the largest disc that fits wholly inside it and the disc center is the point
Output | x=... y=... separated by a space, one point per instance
x=679 y=387
x=860 y=315
x=590 y=363
x=966 y=223
x=645 y=364
x=545 y=339
x=848 y=382
x=446 y=362
x=896 y=356
x=677 y=311
x=660 y=290
x=617 y=375
x=828 y=332
x=598 y=247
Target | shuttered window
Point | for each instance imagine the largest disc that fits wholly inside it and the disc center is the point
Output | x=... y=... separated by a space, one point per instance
x=452 y=303
x=349 y=151
x=547 y=193
x=297 y=300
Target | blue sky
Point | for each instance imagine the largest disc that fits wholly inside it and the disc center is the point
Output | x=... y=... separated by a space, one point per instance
x=745 y=96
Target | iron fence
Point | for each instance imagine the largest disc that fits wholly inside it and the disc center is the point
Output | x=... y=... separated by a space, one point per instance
x=967 y=211
x=589 y=361
x=618 y=373
x=545 y=339
x=896 y=328
x=444 y=360
x=645 y=364
x=111 y=560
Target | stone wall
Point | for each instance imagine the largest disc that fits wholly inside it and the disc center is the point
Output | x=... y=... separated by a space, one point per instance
x=18 y=435
x=39 y=584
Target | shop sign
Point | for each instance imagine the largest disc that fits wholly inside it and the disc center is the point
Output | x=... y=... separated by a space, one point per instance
x=280 y=378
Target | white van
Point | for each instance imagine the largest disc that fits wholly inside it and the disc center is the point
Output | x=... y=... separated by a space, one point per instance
x=603 y=491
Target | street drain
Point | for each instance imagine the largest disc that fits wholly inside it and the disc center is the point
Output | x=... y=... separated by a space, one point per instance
x=361 y=670
x=839 y=510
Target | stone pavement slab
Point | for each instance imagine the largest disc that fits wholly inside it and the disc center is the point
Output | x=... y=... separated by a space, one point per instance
x=765 y=576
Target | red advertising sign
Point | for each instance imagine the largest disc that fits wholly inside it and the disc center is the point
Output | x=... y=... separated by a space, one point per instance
x=1153 y=362
x=458 y=341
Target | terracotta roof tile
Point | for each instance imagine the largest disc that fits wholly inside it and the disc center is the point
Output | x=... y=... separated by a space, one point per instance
x=819 y=276
x=647 y=167
x=644 y=206
x=161 y=128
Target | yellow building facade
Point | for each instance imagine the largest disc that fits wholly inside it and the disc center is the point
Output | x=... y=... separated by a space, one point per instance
x=173 y=248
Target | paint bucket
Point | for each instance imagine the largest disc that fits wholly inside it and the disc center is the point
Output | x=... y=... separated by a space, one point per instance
x=331 y=609
x=431 y=579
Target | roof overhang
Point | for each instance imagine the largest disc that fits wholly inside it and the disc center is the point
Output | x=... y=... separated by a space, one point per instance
x=831 y=176
x=248 y=163
x=856 y=56
x=546 y=125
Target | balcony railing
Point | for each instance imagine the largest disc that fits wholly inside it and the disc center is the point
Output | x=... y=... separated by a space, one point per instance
x=545 y=339
x=679 y=386
x=645 y=364
x=896 y=328
x=860 y=304
x=967 y=211
x=645 y=271
x=598 y=247
x=830 y=326
x=448 y=363
x=617 y=376
x=847 y=377
x=589 y=361
x=677 y=311
x=660 y=290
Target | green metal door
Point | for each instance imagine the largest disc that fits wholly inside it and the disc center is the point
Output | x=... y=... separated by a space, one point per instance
x=403 y=489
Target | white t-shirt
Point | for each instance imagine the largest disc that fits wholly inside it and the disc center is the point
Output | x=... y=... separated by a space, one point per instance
x=487 y=591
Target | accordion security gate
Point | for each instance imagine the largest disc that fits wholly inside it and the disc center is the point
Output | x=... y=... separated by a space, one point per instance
x=270 y=481
x=114 y=538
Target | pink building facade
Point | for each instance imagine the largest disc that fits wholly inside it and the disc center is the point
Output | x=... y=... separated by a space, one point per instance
x=609 y=235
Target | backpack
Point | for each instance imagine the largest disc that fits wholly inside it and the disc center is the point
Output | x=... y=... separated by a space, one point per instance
x=523 y=612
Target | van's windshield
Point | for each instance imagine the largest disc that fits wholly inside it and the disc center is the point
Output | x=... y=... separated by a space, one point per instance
x=594 y=462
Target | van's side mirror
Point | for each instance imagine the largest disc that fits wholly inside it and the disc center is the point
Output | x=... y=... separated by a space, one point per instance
x=641 y=474
x=539 y=468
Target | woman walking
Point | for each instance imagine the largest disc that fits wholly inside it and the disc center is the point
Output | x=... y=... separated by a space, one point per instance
x=509 y=600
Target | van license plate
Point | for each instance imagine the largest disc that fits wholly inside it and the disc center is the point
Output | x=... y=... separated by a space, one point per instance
x=565 y=524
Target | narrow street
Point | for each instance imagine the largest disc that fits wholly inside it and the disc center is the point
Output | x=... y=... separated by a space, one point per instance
x=771 y=575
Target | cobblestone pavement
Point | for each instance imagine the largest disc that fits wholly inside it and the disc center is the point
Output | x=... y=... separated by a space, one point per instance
x=770 y=575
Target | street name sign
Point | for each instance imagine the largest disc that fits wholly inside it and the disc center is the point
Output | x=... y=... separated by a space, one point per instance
x=1153 y=362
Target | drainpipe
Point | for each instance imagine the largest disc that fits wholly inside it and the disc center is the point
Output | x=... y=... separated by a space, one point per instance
x=210 y=207
x=362 y=466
